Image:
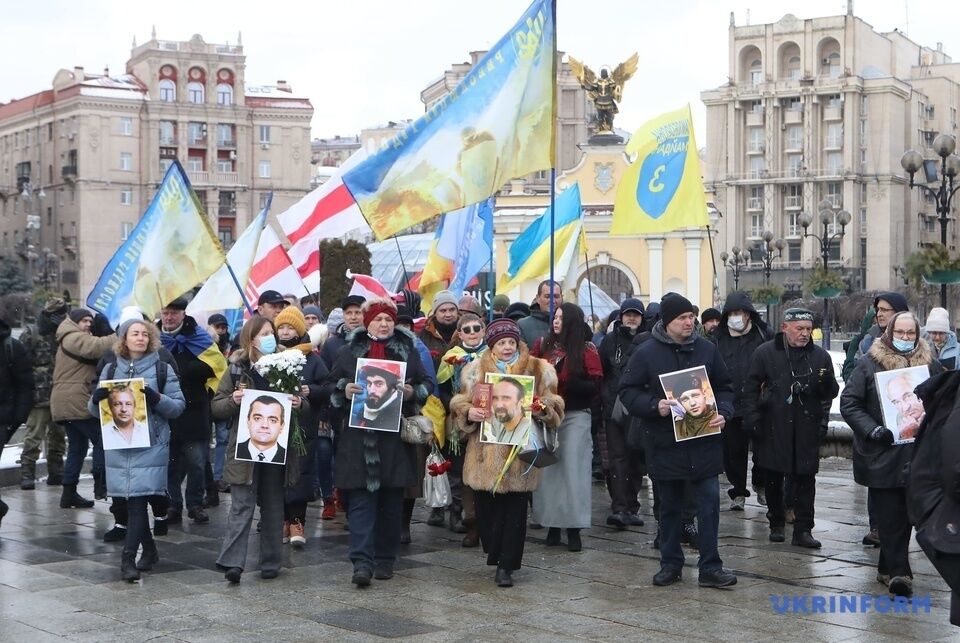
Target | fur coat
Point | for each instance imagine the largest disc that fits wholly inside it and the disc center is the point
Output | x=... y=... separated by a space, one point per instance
x=483 y=462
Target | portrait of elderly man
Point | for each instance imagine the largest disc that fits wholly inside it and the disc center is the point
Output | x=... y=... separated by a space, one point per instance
x=909 y=407
x=690 y=393
x=380 y=404
x=124 y=431
x=265 y=424
x=510 y=423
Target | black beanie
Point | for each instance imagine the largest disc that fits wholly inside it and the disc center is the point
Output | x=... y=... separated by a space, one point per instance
x=78 y=314
x=708 y=314
x=672 y=306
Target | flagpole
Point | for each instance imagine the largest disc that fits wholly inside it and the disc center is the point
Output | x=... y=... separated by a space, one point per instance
x=405 y=282
x=493 y=284
x=553 y=215
x=586 y=258
x=713 y=258
x=236 y=282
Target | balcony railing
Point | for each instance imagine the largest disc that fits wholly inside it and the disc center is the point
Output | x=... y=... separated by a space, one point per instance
x=793 y=202
x=168 y=141
x=198 y=177
x=69 y=171
x=197 y=142
x=226 y=142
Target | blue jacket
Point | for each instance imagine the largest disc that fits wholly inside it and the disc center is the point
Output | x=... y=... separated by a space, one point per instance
x=428 y=368
x=143 y=472
x=641 y=392
x=949 y=353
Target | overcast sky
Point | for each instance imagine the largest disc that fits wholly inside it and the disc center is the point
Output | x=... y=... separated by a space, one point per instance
x=364 y=62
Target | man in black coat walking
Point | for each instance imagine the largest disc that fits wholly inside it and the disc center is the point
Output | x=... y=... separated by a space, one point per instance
x=786 y=397
x=739 y=334
x=675 y=346
x=626 y=465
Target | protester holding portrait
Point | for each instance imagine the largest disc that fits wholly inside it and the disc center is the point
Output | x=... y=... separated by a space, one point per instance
x=878 y=463
x=252 y=483
x=502 y=516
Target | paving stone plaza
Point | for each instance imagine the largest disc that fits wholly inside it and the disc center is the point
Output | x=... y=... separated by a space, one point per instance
x=59 y=581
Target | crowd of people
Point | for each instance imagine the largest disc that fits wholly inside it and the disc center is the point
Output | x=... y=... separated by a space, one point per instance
x=660 y=391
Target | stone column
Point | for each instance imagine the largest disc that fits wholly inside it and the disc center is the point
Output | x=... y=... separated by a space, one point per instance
x=693 y=269
x=655 y=271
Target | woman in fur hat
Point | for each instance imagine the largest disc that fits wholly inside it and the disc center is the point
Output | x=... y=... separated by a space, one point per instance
x=878 y=463
x=502 y=516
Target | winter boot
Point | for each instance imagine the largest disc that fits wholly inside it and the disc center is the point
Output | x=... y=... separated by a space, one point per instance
x=212 y=498
x=128 y=566
x=472 y=537
x=100 y=485
x=149 y=557
x=70 y=499
x=27 y=476
x=54 y=470
x=456 y=522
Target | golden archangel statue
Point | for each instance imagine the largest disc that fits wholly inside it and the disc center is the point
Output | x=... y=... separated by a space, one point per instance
x=605 y=90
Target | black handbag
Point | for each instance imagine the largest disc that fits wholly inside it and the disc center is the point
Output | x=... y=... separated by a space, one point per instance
x=542 y=445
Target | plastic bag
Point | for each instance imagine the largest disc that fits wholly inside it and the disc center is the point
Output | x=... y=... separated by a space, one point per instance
x=436 y=489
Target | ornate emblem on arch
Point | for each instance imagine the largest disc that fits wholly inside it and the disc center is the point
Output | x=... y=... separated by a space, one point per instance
x=603 y=176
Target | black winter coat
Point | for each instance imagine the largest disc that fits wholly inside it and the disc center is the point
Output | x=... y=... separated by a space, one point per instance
x=737 y=351
x=368 y=459
x=933 y=491
x=332 y=345
x=615 y=351
x=640 y=393
x=876 y=465
x=16 y=383
x=314 y=374
x=194 y=424
x=787 y=438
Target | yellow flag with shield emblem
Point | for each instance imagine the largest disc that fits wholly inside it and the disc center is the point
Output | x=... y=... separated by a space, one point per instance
x=663 y=189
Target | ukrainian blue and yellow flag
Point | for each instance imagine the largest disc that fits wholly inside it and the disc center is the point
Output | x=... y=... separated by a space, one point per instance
x=530 y=252
x=172 y=249
x=202 y=346
x=496 y=125
x=663 y=189
x=460 y=249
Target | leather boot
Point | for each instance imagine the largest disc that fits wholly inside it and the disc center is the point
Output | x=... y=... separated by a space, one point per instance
x=28 y=471
x=128 y=566
x=54 y=470
x=212 y=498
x=70 y=499
x=472 y=538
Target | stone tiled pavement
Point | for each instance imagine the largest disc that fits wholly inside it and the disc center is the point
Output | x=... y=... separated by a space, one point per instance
x=58 y=581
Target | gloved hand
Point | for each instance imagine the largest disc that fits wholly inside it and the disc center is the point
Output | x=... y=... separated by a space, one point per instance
x=153 y=398
x=100 y=394
x=882 y=435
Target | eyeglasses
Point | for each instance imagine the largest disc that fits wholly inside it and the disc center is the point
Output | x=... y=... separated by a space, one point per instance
x=471 y=329
x=881 y=309
x=905 y=334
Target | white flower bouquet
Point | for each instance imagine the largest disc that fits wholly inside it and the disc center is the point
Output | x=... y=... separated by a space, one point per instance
x=283 y=373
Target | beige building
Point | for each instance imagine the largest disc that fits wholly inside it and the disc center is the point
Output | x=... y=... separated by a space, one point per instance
x=80 y=161
x=824 y=108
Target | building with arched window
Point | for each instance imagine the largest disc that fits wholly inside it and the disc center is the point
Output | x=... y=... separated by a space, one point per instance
x=822 y=109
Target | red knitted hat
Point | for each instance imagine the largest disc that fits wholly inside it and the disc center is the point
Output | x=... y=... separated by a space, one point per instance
x=373 y=307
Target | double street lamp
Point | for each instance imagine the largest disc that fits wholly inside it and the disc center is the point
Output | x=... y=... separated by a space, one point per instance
x=912 y=161
x=829 y=214
x=770 y=251
x=734 y=261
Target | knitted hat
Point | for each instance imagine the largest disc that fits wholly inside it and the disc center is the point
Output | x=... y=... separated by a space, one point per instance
x=672 y=306
x=709 y=314
x=685 y=382
x=78 y=314
x=55 y=305
x=291 y=316
x=517 y=311
x=409 y=298
x=313 y=310
x=797 y=314
x=373 y=307
x=335 y=319
x=938 y=321
x=441 y=298
x=631 y=303
x=128 y=316
x=500 y=328
x=216 y=319
x=469 y=303
x=500 y=302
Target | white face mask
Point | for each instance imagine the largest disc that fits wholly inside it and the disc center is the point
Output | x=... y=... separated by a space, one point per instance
x=737 y=322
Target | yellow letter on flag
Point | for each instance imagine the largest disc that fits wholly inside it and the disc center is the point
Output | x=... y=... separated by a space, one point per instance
x=663 y=189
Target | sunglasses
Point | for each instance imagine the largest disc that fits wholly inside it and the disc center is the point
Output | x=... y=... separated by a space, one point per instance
x=471 y=329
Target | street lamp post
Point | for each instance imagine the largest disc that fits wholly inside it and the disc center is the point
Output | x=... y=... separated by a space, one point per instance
x=734 y=261
x=827 y=215
x=770 y=251
x=912 y=161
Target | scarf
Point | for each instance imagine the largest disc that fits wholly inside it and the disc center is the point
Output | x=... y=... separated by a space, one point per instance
x=378 y=347
x=502 y=366
x=201 y=345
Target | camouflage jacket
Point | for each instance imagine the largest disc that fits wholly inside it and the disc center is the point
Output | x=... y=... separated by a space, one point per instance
x=42 y=348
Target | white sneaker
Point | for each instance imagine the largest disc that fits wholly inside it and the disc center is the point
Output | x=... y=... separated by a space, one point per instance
x=738 y=503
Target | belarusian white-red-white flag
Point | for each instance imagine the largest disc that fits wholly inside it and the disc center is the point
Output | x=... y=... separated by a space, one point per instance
x=367 y=287
x=328 y=212
x=273 y=270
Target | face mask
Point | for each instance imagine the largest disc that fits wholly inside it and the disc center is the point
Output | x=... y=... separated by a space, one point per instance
x=903 y=345
x=268 y=344
x=737 y=323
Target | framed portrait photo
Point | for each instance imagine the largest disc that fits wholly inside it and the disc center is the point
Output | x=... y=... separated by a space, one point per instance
x=510 y=399
x=378 y=405
x=124 y=423
x=264 y=427
x=902 y=409
x=692 y=403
